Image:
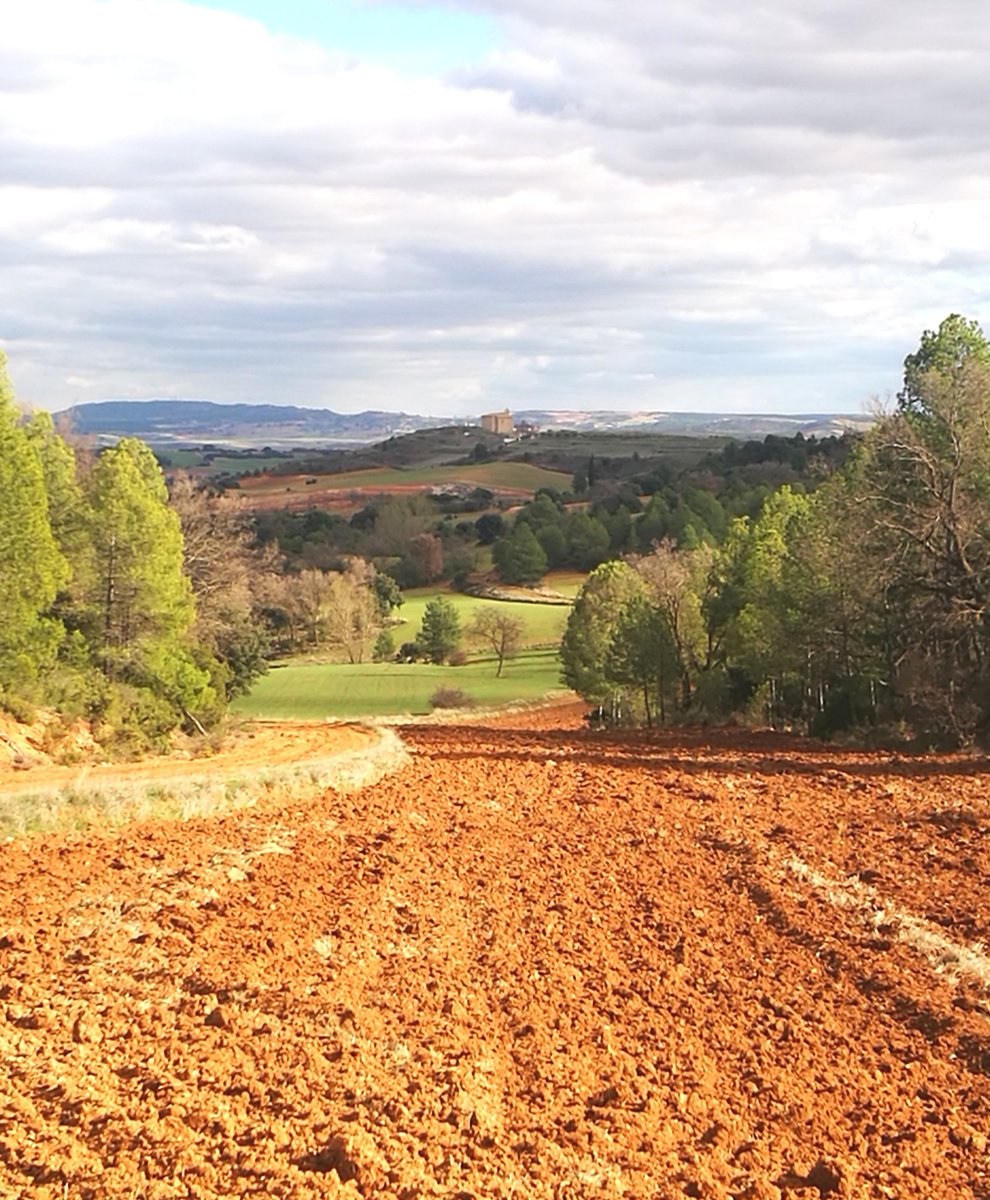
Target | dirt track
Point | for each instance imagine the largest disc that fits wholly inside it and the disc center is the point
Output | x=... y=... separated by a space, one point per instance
x=260 y=743
x=535 y=962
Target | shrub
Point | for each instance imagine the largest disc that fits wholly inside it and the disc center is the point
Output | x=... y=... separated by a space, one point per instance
x=130 y=721
x=448 y=697
x=384 y=648
x=457 y=658
x=19 y=708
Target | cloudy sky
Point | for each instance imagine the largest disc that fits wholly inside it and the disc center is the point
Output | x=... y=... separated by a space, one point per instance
x=449 y=207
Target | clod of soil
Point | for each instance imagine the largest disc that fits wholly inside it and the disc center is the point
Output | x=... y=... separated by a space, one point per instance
x=537 y=960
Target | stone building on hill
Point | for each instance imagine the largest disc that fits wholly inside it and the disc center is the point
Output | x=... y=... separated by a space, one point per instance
x=498 y=422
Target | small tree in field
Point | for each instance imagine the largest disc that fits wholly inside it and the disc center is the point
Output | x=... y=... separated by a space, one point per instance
x=384 y=648
x=497 y=631
x=440 y=632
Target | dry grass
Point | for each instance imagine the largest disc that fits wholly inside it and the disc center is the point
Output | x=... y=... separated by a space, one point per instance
x=947 y=957
x=114 y=803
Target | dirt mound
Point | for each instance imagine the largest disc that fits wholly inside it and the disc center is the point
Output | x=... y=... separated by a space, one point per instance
x=536 y=961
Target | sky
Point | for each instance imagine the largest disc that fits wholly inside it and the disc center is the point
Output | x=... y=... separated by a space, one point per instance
x=446 y=208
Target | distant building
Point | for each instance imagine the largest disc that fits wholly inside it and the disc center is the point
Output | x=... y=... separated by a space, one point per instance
x=497 y=422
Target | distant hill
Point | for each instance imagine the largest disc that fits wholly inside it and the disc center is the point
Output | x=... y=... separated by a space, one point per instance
x=165 y=422
x=742 y=426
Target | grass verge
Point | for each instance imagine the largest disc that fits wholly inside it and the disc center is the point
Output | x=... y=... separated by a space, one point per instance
x=111 y=803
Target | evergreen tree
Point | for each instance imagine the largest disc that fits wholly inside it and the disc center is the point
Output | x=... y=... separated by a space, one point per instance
x=553 y=541
x=591 y=625
x=388 y=595
x=440 y=632
x=138 y=602
x=943 y=355
x=923 y=476
x=520 y=558
x=384 y=648
x=32 y=568
x=763 y=624
x=489 y=526
x=58 y=466
x=139 y=593
x=642 y=654
x=588 y=541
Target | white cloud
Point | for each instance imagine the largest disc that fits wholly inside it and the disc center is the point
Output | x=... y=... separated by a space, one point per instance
x=642 y=206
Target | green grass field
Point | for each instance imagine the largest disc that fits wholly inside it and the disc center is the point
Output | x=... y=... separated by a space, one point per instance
x=514 y=475
x=543 y=624
x=313 y=691
x=220 y=464
x=567 y=583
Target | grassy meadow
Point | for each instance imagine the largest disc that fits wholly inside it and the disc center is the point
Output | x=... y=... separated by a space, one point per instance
x=543 y=624
x=566 y=582
x=313 y=691
x=516 y=476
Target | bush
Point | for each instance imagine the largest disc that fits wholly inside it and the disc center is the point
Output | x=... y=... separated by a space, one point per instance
x=131 y=721
x=457 y=658
x=384 y=649
x=20 y=709
x=448 y=697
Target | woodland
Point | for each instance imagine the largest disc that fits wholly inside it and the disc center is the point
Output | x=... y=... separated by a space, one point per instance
x=859 y=606
x=836 y=586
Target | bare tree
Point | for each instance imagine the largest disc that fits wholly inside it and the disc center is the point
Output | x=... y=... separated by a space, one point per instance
x=497 y=631
x=353 y=615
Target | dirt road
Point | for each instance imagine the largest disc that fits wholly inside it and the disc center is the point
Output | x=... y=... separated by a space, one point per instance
x=537 y=961
x=257 y=744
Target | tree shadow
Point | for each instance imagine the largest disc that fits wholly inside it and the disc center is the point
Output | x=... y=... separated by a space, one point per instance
x=937 y=1028
x=688 y=751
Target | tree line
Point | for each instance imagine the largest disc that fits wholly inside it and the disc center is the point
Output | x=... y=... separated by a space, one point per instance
x=863 y=604
x=145 y=611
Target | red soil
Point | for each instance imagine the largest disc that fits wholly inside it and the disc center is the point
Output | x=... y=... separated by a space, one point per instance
x=537 y=961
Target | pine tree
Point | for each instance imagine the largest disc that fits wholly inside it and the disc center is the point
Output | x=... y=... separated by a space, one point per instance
x=32 y=569
x=139 y=593
x=587 y=541
x=591 y=626
x=642 y=654
x=520 y=558
x=440 y=632
x=58 y=466
x=138 y=601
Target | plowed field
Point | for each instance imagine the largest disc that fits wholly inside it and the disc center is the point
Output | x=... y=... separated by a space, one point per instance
x=536 y=961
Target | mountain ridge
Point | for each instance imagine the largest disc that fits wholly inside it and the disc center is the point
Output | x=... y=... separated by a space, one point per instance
x=168 y=421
